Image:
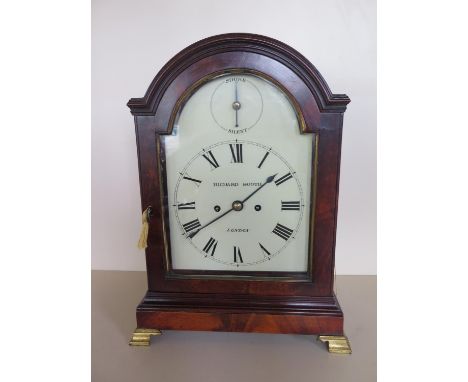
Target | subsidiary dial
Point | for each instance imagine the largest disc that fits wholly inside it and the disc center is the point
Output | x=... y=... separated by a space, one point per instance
x=236 y=104
x=238 y=203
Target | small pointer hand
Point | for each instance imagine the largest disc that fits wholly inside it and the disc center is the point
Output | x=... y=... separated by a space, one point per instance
x=236 y=100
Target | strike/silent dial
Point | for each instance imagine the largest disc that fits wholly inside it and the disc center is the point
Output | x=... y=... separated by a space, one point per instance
x=236 y=104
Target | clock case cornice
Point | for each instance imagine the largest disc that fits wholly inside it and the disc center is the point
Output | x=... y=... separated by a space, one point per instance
x=234 y=42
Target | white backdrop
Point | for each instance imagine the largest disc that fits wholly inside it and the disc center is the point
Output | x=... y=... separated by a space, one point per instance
x=133 y=39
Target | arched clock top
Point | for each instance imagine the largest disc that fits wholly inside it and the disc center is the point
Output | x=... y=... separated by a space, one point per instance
x=255 y=53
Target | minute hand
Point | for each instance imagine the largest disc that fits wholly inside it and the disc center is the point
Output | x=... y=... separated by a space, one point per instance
x=268 y=180
x=192 y=234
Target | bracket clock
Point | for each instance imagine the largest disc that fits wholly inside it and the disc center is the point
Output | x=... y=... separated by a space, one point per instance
x=239 y=141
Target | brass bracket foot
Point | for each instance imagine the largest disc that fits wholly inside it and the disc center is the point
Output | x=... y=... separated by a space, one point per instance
x=336 y=344
x=141 y=336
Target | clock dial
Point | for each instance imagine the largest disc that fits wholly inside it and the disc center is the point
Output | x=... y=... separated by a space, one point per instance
x=239 y=179
x=236 y=104
x=237 y=203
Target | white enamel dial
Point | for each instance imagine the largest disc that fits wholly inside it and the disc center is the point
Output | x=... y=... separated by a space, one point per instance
x=239 y=179
x=238 y=203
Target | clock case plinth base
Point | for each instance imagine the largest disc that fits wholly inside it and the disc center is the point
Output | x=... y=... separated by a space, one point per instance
x=241 y=313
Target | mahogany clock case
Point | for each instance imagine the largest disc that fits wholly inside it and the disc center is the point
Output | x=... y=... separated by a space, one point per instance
x=252 y=302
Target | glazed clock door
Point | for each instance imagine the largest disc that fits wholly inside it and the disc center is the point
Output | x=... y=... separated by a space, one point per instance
x=239 y=173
